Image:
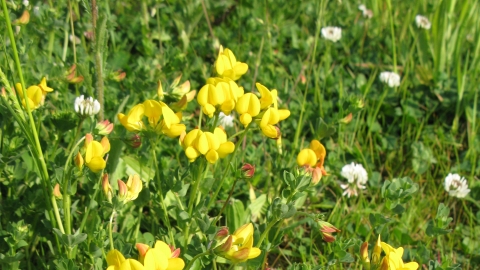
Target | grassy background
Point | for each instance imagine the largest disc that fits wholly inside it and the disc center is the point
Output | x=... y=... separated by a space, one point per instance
x=424 y=129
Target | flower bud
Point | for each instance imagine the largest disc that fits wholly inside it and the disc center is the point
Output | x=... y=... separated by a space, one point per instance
x=364 y=252
x=79 y=161
x=122 y=190
x=24 y=19
x=241 y=255
x=104 y=127
x=327 y=227
x=384 y=265
x=222 y=233
x=327 y=237
x=175 y=251
x=142 y=251
x=56 y=192
x=226 y=246
x=107 y=189
x=248 y=170
x=376 y=252
x=135 y=141
x=118 y=75
x=160 y=90
x=347 y=119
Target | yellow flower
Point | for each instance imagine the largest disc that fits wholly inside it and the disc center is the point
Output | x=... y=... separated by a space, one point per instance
x=162 y=119
x=34 y=96
x=227 y=65
x=238 y=247
x=212 y=145
x=133 y=121
x=267 y=97
x=94 y=153
x=394 y=258
x=312 y=160
x=211 y=96
x=270 y=118
x=161 y=257
x=44 y=87
x=129 y=191
x=116 y=261
x=248 y=106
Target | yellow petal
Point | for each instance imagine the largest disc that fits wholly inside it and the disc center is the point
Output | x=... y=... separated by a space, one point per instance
x=164 y=248
x=212 y=156
x=175 y=264
x=202 y=144
x=270 y=131
x=307 y=157
x=174 y=131
x=266 y=97
x=191 y=137
x=254 y=252
x=245 y=119
x=96 y=164
x=115 y=257
x=225 y=149
x=202 y=97
x=131 y=264
x=155 y=260
x=283 y=114
x=243 y=232
x=220 y=134
x=191 y=153
x=43 y=85
x=213 y=142
x=169 y=116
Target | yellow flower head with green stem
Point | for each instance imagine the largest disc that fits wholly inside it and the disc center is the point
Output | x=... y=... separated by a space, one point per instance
x=211 y=145
x=312 y=160
x=227 y=65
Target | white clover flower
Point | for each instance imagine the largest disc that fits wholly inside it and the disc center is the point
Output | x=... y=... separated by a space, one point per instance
x=332 y=33
x=25 y=3
x=225 y=120
x=86 y=107
x=367 y=13
x=456 y=185
x=422 y=22
x=357 y=177
x=390 y=78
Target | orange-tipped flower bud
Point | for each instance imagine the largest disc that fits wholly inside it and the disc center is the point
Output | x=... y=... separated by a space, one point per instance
x=119 y=75
x=222 y=233
x=364 y=252
x=327 y=237
x=79 y=161
x=122 y=190
x=347 y=119
x=248 y=170
x=142 y=251
x=104 y=127
x=56 y=192
x=226 y=246
x=175 y=252
x=107 y=189
x=24 y=19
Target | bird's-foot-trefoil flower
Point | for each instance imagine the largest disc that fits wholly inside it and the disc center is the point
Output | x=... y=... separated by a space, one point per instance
x=94 y=153
x=129 y=191
x=327 y=229
x=104 y=128
x=248 y=106
x=312 y=160
x=133 y=120
x=161 y=256
x=227 y=65
x=270 y=115
x=238 y=247
x=391 y=261
x=162 y=119
x=211 y=145
x=107 y=188
x=34 y=96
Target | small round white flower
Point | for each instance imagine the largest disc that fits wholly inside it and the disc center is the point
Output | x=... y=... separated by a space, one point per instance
x=367 y=13
x=332 y=33
x=225 y=120
x=390 y=78
x=86 y=107
x=422 y=22
x=357 y=177
x=456 y=185
x=25 y=3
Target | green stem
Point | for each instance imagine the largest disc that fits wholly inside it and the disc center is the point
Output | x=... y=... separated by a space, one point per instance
x=237 y=145
x=110 y=229
x=226 y=202
x=392 y=30
x=162 y=202
x=264 y=234
x=42 y=166
x=190 y=264
x=193 y=195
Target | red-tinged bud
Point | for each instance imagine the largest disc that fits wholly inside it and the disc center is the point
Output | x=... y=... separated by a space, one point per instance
x=226 y=246
x=327 y=237
x=104 y=127
x=24 y=19
x=327 y=227
x=364 y=253
x=79 y=161
x=222 y=233
x=118 y=75
x=135 y=141
x=142 y=249
x=303 y=79
x=384 y=265
x=248 y=170
x=88 y=35
x=347 y=119
x=71 y=78
x=122 y=190
x=175 y=251
x=56 y=191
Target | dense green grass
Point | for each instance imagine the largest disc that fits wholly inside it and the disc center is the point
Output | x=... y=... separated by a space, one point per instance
x=419 y=132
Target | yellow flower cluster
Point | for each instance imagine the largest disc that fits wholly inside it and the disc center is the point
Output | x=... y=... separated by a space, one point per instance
x=35 y=95
x=161 y=119
x=238 y=247
x=312 y=160
x=211 y=145
x=391 y=261
x=160 y=257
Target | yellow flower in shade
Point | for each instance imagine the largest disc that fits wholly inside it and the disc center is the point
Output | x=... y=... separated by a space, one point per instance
x=94 y=153
x=129 y=191
x=394 y=259
x=228 y=66
x=133 y=120
x=162 y=119
x=160 y=257
x=312 y=160
x=211 y=145
x=248 y=106
x=238 y=247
